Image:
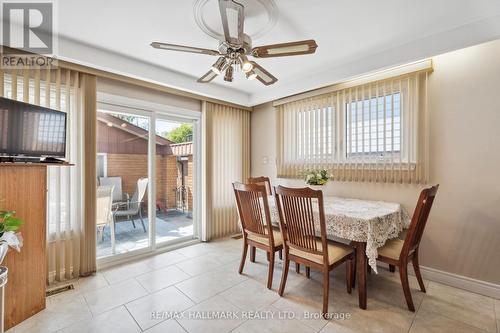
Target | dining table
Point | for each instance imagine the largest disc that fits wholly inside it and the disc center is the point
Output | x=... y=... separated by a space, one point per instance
x=366 y=224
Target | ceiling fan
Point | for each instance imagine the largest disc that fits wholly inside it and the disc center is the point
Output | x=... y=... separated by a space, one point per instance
x=233 y=52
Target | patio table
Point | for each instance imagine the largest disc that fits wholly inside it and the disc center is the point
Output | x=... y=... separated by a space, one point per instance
x=368 y=224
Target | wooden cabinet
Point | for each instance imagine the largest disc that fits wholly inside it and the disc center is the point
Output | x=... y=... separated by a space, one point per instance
x=23 y=188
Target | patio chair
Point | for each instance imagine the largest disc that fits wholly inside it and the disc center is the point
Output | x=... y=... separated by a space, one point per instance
x=104 y=215
x=132 y=207
x=116 y=182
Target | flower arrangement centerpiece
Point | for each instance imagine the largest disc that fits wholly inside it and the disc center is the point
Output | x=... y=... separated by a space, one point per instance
x=9 y=223
x=316 y=177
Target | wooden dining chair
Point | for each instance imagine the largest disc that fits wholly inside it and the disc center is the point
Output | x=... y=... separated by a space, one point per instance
x=253 y=209
x=397 y=252
x=297 y=225
x=262 y=181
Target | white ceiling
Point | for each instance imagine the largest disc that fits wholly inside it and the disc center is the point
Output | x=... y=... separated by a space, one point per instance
x=354 y=37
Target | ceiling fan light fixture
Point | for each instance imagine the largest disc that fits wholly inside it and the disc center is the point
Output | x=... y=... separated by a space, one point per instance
x=228 y=77
x=251 y=75
x=246 y=66
x=218 y=66
x=235 y=46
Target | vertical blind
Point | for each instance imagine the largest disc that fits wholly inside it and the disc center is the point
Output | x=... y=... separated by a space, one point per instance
x=58 y=89
x=375 y=132
x=228 y=161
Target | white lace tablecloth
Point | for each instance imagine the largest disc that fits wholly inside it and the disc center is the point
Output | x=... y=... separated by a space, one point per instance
x=373 y=222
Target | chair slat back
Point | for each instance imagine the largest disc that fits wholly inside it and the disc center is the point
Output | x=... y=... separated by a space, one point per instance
x=296 y=216
x=140 y=191
x=262 y=181
x=253 y=209
x=116 y=182
x=419 y=220
x=104 y=200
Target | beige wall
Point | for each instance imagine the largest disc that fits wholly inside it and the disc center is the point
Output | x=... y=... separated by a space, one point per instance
x=463 y=232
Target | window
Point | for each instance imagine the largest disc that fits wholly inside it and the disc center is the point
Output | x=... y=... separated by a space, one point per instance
x=102 y=164
x=373 y=126
x=309 y=133
x=376 y=131
x=315 y=133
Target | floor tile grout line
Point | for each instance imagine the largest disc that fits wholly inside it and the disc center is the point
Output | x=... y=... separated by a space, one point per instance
x=171 y=286
x=78 y=321
x=108 y=310
x=139 y=282
x=240 y=308
x=88 y=306
x=216 y=294
x=192 y=300
x=162 y=267
x=183 y=328
x=455 y=319
x=122 y=304
x=105 y=278
x=148 y=272
x=163 y=288
x=187 y=272
x=280 y=298
x=93 y=315
x=208 y=271
x=247 y=320
x=239 y=325
x=159 y=323
x=416 y=312
x=95 y=289
x=462 y=291
x=133 y=318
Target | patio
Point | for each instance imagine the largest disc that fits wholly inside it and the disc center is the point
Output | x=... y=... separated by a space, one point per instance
x=169 y=226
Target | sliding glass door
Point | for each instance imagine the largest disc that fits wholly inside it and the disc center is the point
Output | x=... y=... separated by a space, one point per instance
x=123 y=179
x=147 y=176
x=175 y=176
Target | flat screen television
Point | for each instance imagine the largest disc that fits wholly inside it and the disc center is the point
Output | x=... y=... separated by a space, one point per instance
x=31 y=130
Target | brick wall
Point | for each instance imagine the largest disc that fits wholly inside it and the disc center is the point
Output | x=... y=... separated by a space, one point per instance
x=131 y=167
x=171 y=175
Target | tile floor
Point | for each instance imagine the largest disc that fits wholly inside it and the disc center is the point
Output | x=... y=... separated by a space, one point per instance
x=174 y=291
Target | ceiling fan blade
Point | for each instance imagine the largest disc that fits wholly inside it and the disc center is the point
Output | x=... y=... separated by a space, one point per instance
x=262 y=75
x=182 y=48
x=209 y=76
x=285 y=49
x=232 y=15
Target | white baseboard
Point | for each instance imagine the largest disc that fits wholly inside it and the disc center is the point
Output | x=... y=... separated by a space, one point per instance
x=461 y=282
